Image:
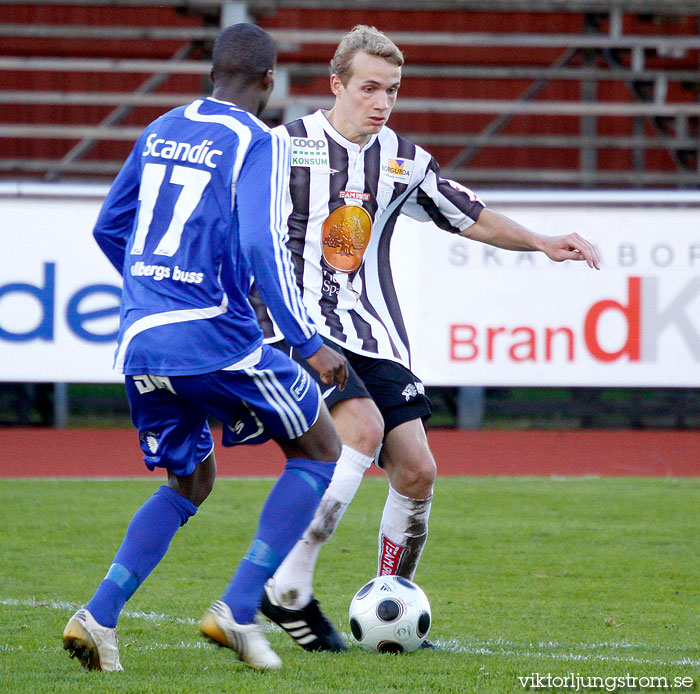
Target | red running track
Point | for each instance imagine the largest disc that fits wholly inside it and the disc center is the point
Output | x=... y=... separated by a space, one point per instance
x=115 y=453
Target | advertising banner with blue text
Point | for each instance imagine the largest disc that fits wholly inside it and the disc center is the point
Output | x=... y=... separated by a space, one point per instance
x=476 y=315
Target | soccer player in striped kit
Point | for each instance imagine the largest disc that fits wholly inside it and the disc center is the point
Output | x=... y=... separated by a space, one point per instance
x=199 y=208
x=352 y=177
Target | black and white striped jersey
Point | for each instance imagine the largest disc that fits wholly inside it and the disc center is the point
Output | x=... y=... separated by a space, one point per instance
x=345 y=203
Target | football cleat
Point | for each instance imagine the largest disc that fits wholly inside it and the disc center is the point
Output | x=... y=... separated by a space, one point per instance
x=92 y=644
x=309 y=627
x=246 y=640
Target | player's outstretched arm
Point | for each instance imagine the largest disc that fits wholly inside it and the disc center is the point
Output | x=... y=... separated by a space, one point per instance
x=498 y=230
x=571 y=247
x=331 y=365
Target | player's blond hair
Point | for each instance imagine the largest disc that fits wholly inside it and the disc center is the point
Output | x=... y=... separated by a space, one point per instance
x=368 y=40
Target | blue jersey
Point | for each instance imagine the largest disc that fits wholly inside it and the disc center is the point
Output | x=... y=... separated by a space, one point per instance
x=197 y=212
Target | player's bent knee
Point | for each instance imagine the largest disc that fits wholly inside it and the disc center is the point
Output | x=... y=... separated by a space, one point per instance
x=371 y=432
x=421 y=481
x=207 y=476
x=321 y=442
x=426 y=474
x=414 y=479
x=203 y=490
x=324 y=451
x=197 y=486
x=360 y=424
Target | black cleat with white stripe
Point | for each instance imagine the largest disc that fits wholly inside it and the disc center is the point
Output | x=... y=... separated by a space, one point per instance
x=309 y=627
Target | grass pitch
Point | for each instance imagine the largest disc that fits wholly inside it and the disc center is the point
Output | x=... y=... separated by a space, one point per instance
x=589 y=577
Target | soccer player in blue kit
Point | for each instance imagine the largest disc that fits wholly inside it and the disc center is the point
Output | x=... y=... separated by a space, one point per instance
x=199 y=210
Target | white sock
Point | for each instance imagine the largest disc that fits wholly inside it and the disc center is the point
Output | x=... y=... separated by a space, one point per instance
x=293 y=580
x=402 y=534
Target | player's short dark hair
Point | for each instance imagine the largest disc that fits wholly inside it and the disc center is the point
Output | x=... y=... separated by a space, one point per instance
x=243 y=50
x=368 y=40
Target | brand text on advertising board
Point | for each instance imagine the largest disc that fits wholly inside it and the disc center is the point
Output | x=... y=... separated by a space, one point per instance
x=642 y=314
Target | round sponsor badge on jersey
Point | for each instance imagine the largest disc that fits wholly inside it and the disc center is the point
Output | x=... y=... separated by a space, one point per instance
x=345 y=237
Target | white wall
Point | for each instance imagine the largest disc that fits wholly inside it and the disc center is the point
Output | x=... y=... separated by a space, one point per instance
x=476 y=315
x=483 y=316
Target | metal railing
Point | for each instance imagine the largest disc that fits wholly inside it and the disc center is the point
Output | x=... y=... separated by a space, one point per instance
x=286 y=38
x=651 y=105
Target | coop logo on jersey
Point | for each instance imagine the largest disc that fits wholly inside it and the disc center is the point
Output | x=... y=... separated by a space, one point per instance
x=310 y=153
x=398 y=169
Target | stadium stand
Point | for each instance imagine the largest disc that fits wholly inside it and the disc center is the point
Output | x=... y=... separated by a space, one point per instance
x=586 y=93
x=506 y=93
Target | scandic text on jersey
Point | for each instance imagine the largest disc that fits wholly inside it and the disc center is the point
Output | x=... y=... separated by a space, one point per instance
x=181 y=151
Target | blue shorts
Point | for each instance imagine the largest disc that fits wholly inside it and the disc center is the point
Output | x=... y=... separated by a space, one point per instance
x=275 y=399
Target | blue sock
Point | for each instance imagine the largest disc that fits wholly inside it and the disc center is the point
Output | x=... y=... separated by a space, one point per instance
x=287 y=512
x=147 y=540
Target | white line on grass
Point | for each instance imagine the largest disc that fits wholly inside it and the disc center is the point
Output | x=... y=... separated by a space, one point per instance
x=586 y=646
x=571 y=656
x=71 y=607
x=179 y=646
x=489 y=647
